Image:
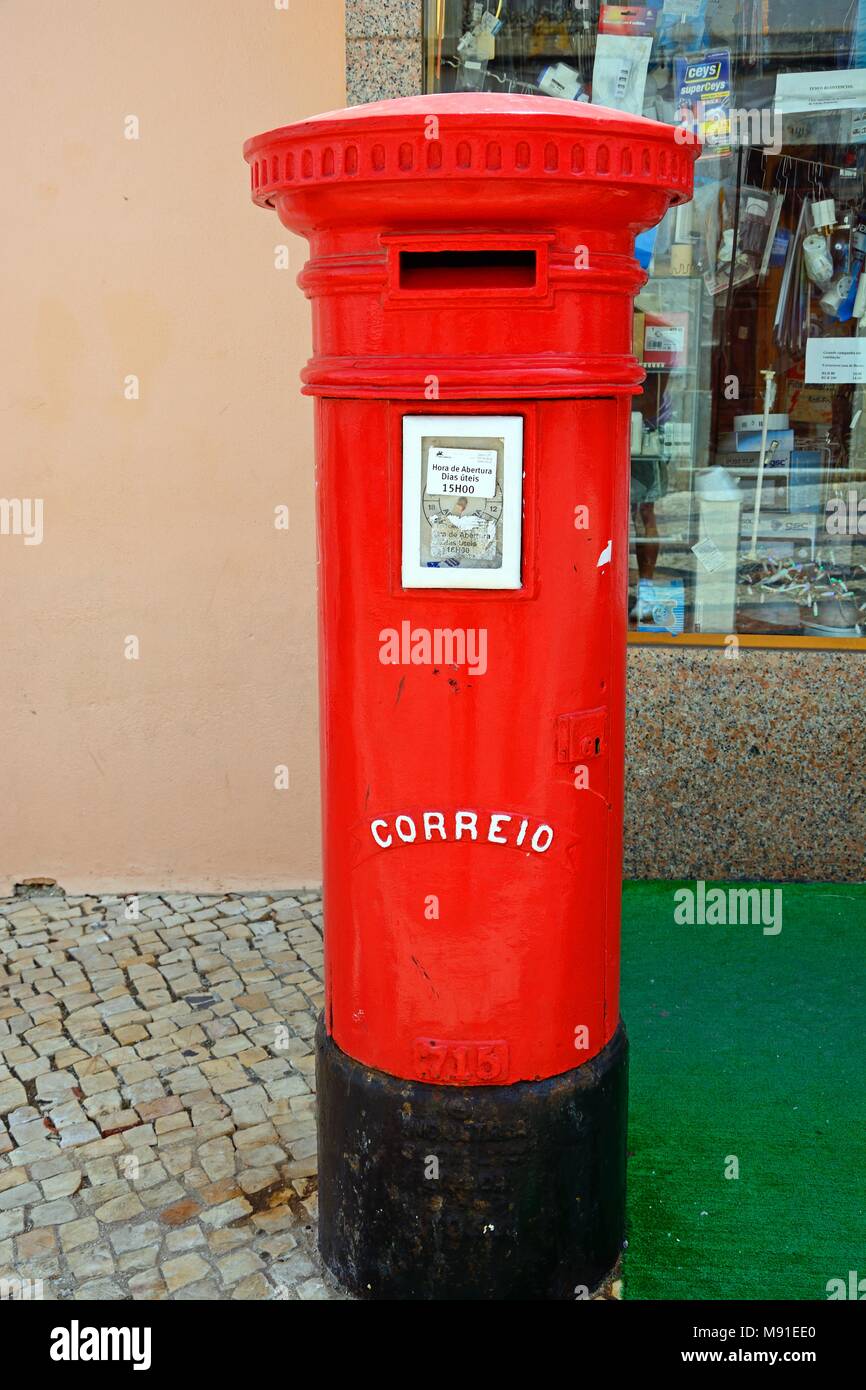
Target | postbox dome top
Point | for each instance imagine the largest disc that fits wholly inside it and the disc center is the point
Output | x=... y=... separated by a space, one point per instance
x=468 y=107
x=467 y=135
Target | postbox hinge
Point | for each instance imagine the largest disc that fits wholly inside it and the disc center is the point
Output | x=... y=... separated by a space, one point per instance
x=581 y=735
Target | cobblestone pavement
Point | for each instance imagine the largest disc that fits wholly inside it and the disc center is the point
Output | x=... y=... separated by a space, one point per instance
x=157 y=1129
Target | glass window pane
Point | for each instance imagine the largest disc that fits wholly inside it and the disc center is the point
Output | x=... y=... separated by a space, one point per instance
x=748 y=475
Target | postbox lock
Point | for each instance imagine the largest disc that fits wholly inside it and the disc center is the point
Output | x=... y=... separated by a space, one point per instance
x=581 y=735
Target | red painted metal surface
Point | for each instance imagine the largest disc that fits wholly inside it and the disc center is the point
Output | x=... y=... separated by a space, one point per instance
x=473 y=255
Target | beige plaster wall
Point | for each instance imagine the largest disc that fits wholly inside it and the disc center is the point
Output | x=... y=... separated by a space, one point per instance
x=145 y=257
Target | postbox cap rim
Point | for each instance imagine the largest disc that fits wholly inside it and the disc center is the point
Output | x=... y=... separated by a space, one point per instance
x=541 y=112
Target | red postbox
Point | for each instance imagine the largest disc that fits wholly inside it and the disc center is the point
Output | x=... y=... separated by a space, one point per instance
x=472 y=275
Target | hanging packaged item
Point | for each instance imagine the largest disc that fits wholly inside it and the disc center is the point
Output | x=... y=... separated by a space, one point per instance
x=561 y=80
x=681 y=26
x=789 y=327
x=717 y=281
x=755 y=234
x=471 y=76
x=817 y=260
x=779 y=249
x=837 y=299
x=619 y=72
x=852 y=294
x=628 y=19
x=759 y=217
x=704 y=100
x=479 y=41
x=476 y=48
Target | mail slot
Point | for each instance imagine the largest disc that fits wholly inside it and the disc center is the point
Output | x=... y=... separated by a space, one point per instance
x=471 y=273
x=431 y=270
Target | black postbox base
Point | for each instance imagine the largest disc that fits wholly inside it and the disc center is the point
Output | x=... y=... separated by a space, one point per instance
x=481 y=1192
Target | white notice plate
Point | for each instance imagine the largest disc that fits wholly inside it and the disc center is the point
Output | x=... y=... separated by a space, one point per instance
x=835 y=360
x=843 y=90
x=462 y=501
x=460 y=472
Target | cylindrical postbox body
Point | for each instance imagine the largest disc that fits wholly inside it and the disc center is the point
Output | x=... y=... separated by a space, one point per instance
x=471 y=273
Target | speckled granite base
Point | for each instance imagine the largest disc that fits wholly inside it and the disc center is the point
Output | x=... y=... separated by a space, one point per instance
x=753 y=768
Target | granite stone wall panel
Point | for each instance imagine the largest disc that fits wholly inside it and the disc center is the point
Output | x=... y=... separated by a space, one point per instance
x=745 y=768
x=384 y=51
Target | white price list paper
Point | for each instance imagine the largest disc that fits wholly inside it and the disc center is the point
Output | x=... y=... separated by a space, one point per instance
x=835 y=361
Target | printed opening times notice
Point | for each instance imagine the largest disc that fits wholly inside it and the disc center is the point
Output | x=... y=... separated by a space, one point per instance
x=460 y=472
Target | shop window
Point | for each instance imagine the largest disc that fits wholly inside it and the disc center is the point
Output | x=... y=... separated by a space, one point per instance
x=748 y=472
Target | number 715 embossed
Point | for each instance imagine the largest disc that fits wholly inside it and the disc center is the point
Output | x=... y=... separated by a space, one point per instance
x=455 y=1062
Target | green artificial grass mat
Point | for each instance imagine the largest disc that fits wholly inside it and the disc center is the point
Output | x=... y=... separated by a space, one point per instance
x=752 y=1046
